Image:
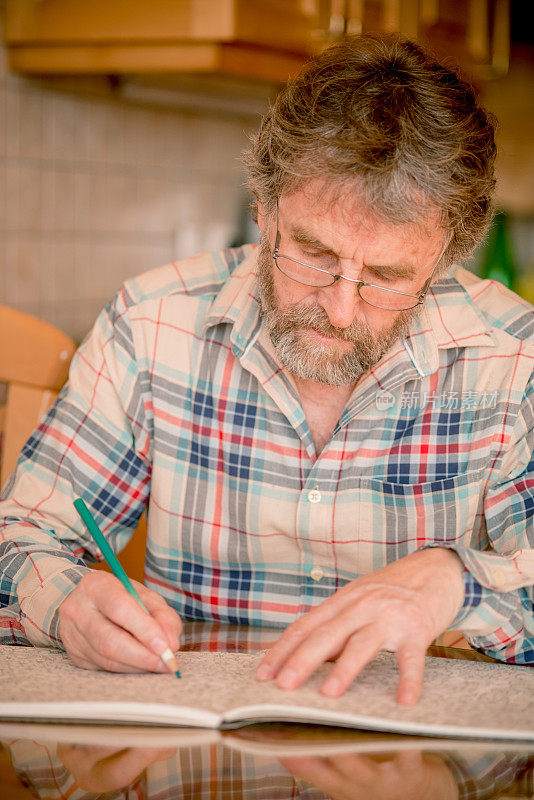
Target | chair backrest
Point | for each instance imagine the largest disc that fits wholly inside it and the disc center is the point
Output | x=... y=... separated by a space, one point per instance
x=34 y=364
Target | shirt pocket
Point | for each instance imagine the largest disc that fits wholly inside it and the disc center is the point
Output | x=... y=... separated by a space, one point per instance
x=396 y=519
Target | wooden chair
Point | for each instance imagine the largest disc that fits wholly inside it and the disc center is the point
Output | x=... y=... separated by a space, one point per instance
x=34 y=364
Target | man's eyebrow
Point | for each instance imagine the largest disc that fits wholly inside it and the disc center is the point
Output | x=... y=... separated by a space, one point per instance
x=300 y=236
x=399 y=271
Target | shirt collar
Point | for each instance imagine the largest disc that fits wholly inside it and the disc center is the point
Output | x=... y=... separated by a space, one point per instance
x=238 y=303
x=449 y=319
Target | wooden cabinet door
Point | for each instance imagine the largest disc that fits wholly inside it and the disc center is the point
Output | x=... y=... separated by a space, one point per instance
x=280 y=24
x=262 y=39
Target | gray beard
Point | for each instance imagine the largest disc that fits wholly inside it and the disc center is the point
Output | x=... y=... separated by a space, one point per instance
x=310 y=360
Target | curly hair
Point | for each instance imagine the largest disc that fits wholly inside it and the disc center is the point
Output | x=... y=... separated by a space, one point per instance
x=377 y=114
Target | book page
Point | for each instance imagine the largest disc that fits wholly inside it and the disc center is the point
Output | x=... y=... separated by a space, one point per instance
x=466 y=698
x=43 y=683
x=460 y=698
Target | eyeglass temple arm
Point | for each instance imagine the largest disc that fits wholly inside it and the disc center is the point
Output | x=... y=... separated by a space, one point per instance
x=277 y=239
x=424 y=291
x=426 y=287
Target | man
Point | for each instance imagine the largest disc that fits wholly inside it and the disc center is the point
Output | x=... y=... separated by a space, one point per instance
x=330 y=431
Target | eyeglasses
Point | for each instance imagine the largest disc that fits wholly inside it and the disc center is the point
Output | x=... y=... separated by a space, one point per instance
x=370 y=293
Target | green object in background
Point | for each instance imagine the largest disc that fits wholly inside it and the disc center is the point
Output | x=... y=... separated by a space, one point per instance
x=498 y=262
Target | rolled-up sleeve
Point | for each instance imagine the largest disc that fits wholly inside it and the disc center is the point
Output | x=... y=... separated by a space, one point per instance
x=498 y=610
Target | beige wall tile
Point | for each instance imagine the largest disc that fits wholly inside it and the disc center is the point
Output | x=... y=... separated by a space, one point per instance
x=92 y=126
x=3 y=118
x=106 y=202
x=24 y=200
x=25 y=275
x=58 y=189
x=159 y=203
x=3 y=64
x=62 y=121
x=3 y=204
x=218 y=145
x=59 y=275
x=101 y=267
x=26 y=110
x=12 y=120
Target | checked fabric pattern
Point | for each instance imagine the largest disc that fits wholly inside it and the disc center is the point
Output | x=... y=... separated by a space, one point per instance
x=176 y=403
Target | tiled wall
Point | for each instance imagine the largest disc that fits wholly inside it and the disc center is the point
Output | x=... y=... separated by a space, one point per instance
x=96 y=190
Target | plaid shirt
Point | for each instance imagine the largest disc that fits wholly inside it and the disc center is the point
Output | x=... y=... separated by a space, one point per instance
x=176 y=403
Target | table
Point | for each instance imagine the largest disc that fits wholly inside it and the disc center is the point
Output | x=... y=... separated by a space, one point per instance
x=261 y=761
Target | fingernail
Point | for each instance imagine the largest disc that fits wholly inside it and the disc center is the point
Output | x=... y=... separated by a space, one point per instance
x=158 y=645
x=287 y=679
x=264 y=672
x=331 y=687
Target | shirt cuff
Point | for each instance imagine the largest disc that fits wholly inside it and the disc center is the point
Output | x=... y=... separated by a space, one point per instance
x=473 y=597
x=40 y=611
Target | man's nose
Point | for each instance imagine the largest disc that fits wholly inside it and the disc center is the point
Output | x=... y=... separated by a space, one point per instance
x=341 y=302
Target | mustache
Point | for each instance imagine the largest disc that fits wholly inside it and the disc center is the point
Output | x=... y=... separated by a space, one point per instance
x=302 y=316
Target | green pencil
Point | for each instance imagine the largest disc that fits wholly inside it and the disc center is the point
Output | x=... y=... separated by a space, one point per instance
x=167 y=656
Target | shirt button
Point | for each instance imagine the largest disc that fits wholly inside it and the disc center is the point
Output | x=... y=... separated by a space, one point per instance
x=314 y=496
x=499 y=577
x=316 y=573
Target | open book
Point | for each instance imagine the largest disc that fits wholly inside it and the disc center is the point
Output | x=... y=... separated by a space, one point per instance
x=218 y=690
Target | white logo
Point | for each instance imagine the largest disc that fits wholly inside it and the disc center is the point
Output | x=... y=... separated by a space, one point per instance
x=385 y=400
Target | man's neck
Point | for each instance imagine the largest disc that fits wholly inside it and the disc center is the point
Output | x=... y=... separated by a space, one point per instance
x=323 y=406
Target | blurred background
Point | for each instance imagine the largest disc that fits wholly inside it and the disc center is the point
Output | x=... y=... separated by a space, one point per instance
x=122 y=124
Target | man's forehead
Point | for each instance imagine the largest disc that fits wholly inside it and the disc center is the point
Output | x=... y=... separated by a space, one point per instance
x=345 y=204
x=315 y=218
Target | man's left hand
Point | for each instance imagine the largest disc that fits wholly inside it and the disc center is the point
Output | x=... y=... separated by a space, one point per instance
x=400 y=608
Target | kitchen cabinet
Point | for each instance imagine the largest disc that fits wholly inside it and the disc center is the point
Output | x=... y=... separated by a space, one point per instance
x=256 y=39
x=262 y=39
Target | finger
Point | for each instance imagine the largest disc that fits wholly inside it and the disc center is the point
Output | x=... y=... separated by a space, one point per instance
x=126 y=766
x=315 y=770
x=108 y=646
x=171 y=625
x=118 y=606
x=411 y=661
x=115 y=666
x=325 y=641
x=361 y=648
x=409 y=761
x=359 y=769
x=164 y=614
x=314 y=651
x=298 y=632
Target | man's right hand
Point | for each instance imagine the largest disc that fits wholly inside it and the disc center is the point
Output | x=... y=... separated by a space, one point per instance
x=103 y=627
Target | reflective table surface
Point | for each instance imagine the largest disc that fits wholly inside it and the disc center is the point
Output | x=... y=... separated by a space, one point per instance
x=277 y=760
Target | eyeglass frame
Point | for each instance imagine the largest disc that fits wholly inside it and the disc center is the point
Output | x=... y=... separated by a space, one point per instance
x=275 y=253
